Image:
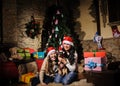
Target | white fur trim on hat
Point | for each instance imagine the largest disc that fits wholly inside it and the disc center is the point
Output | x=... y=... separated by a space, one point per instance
x=68 y=42
x=51 y=51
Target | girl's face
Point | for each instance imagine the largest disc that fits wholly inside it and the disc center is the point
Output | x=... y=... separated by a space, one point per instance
x=53 y=56
x=66 y=46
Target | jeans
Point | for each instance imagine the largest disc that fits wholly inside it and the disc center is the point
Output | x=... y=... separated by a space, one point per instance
x=48 y=79
x=36 y=80
x=67 y=79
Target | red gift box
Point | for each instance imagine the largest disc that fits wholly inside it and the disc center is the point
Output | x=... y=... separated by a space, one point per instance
x=39 y=63
x=94 y=54
x=88 y=54
x=100 y=54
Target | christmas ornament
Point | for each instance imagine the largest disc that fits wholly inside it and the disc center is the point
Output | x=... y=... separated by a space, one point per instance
x=58 y=12
x=56 y=21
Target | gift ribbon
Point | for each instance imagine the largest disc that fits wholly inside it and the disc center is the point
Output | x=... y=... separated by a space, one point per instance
x=94 y=52
x=93 y=65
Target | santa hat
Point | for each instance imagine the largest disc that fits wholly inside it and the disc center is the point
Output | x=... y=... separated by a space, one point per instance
x=50 y=50
x=60 y=48
x=68 y=40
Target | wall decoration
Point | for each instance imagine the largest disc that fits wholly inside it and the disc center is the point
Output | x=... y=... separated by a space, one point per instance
x=32 y=28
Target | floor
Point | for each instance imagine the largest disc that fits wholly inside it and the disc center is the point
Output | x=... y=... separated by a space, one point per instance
x=81 y=82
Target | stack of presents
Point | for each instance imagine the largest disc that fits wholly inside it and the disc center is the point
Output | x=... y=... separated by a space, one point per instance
x=27 y=70
x=95 y=61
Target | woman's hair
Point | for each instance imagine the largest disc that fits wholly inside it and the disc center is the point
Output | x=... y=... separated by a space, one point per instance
x=51 y=64
x=70 y=57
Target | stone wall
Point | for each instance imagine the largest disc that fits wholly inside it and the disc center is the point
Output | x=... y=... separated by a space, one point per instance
x=16 y=13
x=27 y=9
x=9 y=21
x=111 y=45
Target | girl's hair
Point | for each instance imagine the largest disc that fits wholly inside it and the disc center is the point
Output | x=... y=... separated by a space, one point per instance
x=70 y=57
x=51 y=64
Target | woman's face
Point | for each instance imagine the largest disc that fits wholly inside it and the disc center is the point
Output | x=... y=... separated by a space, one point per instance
x=53 y=56
x=66 y=46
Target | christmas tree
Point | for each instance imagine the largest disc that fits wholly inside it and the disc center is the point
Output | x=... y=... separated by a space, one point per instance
x=32 y=28
x=56 y=26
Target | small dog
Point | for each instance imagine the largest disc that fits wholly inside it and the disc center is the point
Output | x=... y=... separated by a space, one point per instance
x=62 y=69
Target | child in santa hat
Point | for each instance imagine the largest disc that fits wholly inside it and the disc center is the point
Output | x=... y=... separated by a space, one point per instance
x=70 y=62
x=48 y=67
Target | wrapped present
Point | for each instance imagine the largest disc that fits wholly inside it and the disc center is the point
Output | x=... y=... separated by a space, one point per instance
x=94 y=54
x=27 y=77
x=39 y=63
x=30 y=50
x=25 y=53
x=94 y=64
x=100 y=54
x=38 y=55
x=88 y=54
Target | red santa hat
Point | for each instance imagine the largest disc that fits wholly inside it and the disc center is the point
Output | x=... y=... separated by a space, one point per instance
x=68 y=40
x=50 y=50
x=60 y=48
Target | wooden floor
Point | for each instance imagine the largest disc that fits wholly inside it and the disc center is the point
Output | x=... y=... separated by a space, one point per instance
x=81 y=82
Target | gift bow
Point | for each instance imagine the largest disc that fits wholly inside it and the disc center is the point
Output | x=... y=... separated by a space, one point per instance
x=93 y=65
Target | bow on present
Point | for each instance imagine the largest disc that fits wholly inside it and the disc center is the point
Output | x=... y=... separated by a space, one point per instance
x=93 y=65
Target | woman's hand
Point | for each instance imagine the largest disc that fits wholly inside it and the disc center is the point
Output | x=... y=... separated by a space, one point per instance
x=63 y=61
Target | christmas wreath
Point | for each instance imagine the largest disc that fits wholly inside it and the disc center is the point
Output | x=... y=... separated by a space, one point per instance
x=32 y=28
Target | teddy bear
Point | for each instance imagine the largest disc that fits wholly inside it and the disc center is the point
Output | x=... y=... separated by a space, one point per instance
x=14 y=54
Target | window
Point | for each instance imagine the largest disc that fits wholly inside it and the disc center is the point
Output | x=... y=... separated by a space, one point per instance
x=114 y=12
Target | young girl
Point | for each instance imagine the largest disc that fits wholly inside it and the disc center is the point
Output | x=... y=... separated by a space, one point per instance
x=70 y=62
x=48 y=67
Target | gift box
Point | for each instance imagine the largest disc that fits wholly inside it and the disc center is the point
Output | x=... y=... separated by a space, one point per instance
x=94 y=54
x=30 y=50
x=94 y=64
x=26 y=78
x=38 y=55
x=25 y=53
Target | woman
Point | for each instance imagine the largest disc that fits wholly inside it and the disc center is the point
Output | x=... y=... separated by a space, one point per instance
x=48 y=67
x=71 y=56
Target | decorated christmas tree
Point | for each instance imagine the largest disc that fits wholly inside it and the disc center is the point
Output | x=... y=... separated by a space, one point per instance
x=56 y=26
x=32 y=28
